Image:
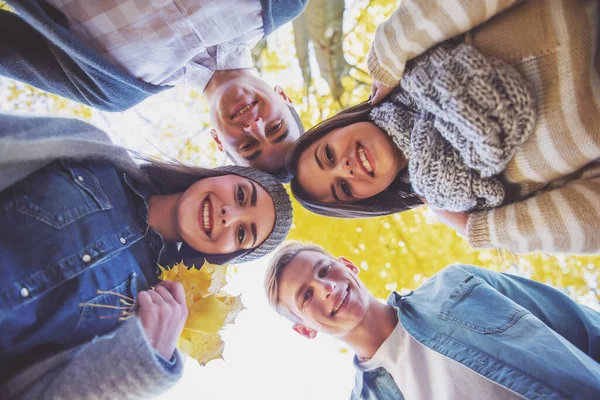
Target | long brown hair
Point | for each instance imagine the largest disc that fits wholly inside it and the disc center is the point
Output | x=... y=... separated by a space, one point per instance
x=397 y=197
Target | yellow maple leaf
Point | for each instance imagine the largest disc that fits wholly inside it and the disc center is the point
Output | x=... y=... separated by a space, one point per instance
x=209 y=308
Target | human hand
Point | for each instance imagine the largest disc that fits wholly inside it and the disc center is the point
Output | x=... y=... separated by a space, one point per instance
x=163 y=313
x=378 y=91
x=455 y=220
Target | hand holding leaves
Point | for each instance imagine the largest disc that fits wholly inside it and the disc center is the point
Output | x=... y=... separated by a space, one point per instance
x=163 y=313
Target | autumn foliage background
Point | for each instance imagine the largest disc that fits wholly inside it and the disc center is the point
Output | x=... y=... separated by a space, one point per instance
x=321 y=63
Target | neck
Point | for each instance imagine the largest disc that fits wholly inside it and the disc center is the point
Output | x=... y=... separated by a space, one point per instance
x=377 y=325
x=162 y=215
x=221 y=77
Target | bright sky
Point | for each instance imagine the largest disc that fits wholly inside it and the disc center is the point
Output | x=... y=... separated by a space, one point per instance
x=264 y=358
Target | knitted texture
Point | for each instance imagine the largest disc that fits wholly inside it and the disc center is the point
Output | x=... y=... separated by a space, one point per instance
x=459 y=118
x=283 y=210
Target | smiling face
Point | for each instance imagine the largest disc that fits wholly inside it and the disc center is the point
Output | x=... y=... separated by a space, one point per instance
x=253 y=123
x=349 y=164
x=224 y=214
x=325 y=295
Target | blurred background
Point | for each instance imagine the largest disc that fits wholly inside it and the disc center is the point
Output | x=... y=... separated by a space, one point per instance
x=320 y=61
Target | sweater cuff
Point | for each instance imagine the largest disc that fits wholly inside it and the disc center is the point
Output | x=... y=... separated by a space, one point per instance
x=478 y=232
x=379 y=73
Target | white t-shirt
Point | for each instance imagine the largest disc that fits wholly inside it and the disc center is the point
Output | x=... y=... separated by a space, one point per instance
x=424 y=374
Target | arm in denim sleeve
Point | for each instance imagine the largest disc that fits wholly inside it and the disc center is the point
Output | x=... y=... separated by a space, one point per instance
x=73 y=71
x=577 y=323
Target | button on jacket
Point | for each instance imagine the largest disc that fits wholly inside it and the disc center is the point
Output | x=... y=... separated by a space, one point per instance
x=72 y=230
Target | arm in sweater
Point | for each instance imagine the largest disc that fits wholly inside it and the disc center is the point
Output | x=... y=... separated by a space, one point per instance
x=565 y=220
x=418 y=25
x=121 y=365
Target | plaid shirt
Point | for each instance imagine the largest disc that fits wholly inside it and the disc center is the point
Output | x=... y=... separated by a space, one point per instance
x=168 y=42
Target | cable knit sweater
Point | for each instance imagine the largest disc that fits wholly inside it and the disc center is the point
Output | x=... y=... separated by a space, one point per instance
x=552 y=183
x=459 y=118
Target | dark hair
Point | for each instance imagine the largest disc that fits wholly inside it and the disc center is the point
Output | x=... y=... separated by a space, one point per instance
x=397 y=197
x=174 y=177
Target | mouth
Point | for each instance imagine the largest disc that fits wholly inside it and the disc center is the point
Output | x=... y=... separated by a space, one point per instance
x=365 y=160
x=341 y=302
x=243 y=109
x=206 y=216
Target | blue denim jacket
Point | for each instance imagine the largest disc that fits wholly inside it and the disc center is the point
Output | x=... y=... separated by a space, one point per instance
x=523 y=335
x=68 y=230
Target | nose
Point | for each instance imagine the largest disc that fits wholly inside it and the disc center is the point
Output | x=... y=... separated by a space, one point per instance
x=255 y=126
x=328 y=288
x=228 y=216
x=344 y=170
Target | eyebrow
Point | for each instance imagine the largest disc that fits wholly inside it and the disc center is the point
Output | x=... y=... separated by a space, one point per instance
x=281 y=137
x=303 y=287
x=335 y=196
x=253 y=195
x=253 y=229
x=319 y=163
x=253 y=156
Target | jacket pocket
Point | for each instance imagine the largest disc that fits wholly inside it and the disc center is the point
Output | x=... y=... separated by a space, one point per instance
x=97 y=317
x=479 y=307
x=60 y=194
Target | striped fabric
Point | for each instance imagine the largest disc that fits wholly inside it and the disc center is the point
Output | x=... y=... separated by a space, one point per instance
x=553 y=181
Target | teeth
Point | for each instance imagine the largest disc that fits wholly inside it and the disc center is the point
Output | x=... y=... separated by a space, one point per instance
x=206 y=217
x=363 y=159
x=340 y=302
x=243 y=110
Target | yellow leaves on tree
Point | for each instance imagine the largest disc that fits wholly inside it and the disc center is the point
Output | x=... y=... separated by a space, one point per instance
x=209 y=309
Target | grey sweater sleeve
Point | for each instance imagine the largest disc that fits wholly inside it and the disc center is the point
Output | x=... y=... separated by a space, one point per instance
x=121 y=365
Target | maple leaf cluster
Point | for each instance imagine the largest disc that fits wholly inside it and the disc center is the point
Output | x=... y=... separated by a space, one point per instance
x=209 y=309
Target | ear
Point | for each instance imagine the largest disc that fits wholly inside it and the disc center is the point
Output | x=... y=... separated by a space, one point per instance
x=349 y=264
x=305 y=331
x=279 y=90
x=213 y=133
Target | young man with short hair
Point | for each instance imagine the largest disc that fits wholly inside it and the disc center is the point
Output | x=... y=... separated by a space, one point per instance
x=467 y=333
x=112 y=55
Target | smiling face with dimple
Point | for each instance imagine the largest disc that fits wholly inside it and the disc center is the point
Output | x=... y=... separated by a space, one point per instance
x=349 y=164
x=324 y=294
x=253 y=123
x=225 y=214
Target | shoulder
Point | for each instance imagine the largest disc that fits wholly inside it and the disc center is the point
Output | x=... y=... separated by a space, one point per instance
x=276 y=13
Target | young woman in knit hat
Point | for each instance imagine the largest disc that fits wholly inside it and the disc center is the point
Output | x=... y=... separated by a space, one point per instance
x=497 y=130
x=78 y=217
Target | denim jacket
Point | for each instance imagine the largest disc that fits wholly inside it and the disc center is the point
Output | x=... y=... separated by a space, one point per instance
x=518 y=333
x=69 y=230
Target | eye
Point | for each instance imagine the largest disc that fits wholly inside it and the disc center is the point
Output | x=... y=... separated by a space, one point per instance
x=247 y=146
x=307 y=296
x=241 y=195
x=276 y=127
x=345 y=186
x=329 y=154
x=324 y=270
x=241 y=234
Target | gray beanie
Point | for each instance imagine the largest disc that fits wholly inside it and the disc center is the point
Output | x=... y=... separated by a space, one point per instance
x=283 y=211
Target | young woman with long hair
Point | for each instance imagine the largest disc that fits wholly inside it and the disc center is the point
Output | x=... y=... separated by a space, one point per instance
x=83 y=224
x=497 y=130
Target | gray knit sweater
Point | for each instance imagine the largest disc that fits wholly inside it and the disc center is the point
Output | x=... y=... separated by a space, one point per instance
x=459 y=118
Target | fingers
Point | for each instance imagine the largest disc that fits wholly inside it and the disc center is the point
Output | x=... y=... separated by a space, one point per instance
x=144 y=299
x=175 y=290
x=377 y=97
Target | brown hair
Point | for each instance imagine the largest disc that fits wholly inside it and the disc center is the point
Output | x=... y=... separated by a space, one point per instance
x=397 y=197
x=281 y=259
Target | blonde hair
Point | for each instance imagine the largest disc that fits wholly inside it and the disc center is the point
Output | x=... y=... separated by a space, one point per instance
x=279 y=260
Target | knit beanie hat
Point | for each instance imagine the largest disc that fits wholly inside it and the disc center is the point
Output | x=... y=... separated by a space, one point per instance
x=283 y=218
